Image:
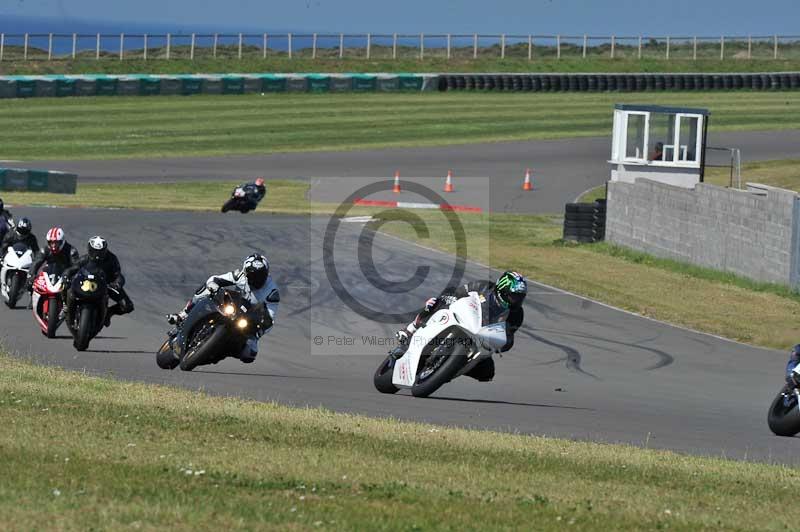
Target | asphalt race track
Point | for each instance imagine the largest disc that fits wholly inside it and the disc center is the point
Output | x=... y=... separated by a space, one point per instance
x=579 y=369
x=563 y=169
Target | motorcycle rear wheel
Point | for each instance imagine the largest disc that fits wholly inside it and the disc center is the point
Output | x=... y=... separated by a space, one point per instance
x=443 y=373
x=212 y=341
x=783 y=419
x=383 y=377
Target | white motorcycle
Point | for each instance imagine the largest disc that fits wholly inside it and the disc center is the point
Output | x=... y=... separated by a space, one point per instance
x=14 y=273
x=453 y=341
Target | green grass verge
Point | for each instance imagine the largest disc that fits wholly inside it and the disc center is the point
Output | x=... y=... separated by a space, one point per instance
x=513 y=63
x=161 y=126
x=715 y=302
x=86 y=453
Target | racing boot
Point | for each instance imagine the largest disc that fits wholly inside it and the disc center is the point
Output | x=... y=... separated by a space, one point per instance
x=403 y=340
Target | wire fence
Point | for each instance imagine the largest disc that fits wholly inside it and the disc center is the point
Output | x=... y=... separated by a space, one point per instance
x=197 y=46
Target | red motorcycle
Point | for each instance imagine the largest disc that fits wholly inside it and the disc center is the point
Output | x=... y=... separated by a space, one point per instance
x=47 y=301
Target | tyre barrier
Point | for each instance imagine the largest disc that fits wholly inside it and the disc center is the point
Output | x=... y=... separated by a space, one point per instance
x=622 y=82
x=585 y=222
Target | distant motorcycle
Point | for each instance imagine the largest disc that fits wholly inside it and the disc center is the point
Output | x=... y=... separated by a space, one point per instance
x=14 y=273
x=783 y=417
x=240 y=201
x=217 y=327
x=89 y=291
x=47 y=300
x=453 y=341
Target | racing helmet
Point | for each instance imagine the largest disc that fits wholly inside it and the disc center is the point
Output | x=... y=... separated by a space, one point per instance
x=259 y=181
x=97 y=248
x=256 y=268
x=511 y=289
x=55 y=239
x=24 y=227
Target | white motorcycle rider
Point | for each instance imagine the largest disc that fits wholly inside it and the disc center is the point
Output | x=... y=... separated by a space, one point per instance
x=19 y=247
x=456 y=334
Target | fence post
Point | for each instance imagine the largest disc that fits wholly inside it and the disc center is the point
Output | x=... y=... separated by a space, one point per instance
x=121 y=45
x=264 y=49
x=585 y=43
x=74 y=45
x=25 y=49
x=145 y=47
x=369 y=44
x=448 y=46
x=613 y=45
x=721 y=47
x=640 y=46
x=49 y=46
x=394 y=46
x=169 y=44
x=290 y=46
x=775 y=52
x=313 y=46
x=191 y=49
x=240 y=45
x=503 y=46
x=475 y=46
x=667 y=52
x=749 y=46
x=421 y=46
x=558 y=46
x=694 y=48
x=530 y=47
x=214 y=46
x=2 y=44
x=97 y=49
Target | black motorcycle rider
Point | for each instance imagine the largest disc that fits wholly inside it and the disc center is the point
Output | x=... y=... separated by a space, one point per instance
x=501 y=300
x=254 y=192
x=6 y=220
x=21 y=234
x=98 y=257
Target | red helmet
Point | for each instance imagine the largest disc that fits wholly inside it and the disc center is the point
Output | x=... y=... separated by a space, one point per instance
x=259 y=181
x=55 y=239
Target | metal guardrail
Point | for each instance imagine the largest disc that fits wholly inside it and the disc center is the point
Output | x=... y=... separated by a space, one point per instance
x=149 y=46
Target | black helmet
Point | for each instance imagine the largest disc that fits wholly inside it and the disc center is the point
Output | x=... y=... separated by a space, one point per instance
x=24 y=227
x=256 y=268
x=97 y=248
x=511 y=289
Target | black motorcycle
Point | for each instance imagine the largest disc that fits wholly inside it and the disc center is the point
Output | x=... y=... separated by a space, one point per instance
x=217 y=327
x=241 y=201
x=87 y=313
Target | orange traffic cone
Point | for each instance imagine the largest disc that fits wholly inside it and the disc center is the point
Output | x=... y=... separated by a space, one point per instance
x=528 y=183
x=396 y=187
x=448 y=183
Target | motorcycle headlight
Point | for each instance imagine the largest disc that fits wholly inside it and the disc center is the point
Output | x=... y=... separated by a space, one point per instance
x=241 y=323
x=229 y=310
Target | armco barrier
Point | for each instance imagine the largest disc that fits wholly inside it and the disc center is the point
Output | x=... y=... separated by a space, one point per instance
x=24 y=180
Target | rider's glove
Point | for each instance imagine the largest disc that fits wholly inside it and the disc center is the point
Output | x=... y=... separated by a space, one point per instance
x=212 y=287
x=429 y=304
x=402 y=337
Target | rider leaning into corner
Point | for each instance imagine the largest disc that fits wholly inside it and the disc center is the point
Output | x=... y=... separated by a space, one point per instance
x=21 y=234
x=793 y=367
x=58 y=252
x=98 y=257
x=502 y=300
x=254 y=192
x=254 y=282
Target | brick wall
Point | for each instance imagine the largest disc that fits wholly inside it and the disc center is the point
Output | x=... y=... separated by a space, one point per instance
x=755 y=236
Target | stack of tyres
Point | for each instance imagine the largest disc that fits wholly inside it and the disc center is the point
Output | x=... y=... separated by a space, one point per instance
x=599 y=226
x=585 y=222
x=579 y=222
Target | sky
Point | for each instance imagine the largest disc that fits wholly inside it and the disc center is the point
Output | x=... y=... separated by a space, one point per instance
x=595 y=17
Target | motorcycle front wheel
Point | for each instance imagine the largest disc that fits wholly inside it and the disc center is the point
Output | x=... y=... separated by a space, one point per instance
x=14 y=290
x=228 y=205
x=52 y=317
x=784 y=415
x=439 y=367
x=203 y=345
x=383 y=377
x=86 y=323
